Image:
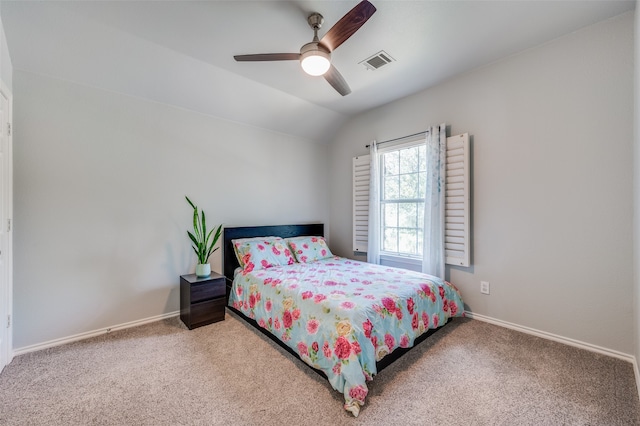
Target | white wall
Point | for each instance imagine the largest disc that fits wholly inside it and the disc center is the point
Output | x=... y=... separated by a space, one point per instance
x=6 y=70
x=636 y=198
x=100 y=215
x=6 y=297
x=552 y=132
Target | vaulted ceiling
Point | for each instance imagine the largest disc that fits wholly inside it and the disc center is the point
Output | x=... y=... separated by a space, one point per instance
x=181 y=52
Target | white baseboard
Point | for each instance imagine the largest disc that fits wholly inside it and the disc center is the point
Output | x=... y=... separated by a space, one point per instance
x=88 y=334
x=637 y=373
x=560 y=339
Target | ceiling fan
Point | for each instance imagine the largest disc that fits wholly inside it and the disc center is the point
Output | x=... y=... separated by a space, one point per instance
x=315 y=56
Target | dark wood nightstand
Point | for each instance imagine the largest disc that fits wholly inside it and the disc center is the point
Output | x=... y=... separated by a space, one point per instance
x=202 y=300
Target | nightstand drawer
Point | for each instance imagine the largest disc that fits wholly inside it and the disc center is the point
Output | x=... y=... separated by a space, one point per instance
x=207 y=290
x=202 y=299
x=210 y=311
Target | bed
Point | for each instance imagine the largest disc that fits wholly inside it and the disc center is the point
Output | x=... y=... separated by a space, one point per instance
x=345 y=319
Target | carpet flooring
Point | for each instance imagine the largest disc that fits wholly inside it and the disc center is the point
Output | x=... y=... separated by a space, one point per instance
x=469 y=373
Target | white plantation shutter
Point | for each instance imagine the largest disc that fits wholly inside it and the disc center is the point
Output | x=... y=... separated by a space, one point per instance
x=457 y=204
x=361 y=169
x=456 y=237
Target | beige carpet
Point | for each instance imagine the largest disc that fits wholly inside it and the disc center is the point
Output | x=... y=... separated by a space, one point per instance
x=470 y=373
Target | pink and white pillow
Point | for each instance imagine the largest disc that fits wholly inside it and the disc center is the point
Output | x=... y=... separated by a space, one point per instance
x=262 y=253
x=309 y=249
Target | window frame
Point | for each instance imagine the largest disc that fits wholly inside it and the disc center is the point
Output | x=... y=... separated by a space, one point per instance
x=390 y=256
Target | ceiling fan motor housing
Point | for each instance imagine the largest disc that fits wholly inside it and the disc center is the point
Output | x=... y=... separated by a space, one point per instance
x=315 y=59
x=313 y=47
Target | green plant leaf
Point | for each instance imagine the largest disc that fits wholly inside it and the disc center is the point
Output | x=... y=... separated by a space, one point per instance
x=217 y=236
x=189 y=201
x=209 y=246
x=196 y=228
x=215 y=240
x=204 y=230
x=193 y=238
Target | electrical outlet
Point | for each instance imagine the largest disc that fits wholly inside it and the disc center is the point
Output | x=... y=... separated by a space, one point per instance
x=484 y=287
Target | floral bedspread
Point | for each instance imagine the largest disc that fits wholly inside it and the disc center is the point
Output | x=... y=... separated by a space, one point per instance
x=341 y=315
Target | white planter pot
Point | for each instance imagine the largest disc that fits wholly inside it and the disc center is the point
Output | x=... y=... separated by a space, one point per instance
x=203 y=270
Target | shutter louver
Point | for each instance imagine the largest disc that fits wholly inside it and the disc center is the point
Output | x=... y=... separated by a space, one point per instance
x=361 y=168
x=457 y=201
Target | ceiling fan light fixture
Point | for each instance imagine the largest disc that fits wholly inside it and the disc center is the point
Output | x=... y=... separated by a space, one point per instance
x=314 y=59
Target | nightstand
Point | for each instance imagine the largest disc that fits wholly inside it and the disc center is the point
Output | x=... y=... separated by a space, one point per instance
x=202 y=300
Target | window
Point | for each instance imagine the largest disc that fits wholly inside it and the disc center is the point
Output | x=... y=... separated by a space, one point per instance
x=402 y=190
x=402 y=201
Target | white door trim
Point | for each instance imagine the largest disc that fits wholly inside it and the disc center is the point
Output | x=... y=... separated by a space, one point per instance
x=6 y=323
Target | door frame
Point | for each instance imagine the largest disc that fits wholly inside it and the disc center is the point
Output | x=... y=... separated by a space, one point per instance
x=6 y=323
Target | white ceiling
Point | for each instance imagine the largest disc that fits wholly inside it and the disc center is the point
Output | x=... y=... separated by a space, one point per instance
x=181 y=52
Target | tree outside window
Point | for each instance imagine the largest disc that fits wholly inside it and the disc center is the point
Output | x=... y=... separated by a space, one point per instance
x=402 y=200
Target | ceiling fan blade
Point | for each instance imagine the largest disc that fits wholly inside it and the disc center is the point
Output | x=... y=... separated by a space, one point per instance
x=268 y=57
x=348 y=25
x=336 y=80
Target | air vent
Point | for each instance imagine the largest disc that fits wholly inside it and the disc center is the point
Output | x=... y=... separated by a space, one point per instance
x=378 y=60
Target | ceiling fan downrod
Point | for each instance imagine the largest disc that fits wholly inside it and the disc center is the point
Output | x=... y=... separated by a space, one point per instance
x=315 y=21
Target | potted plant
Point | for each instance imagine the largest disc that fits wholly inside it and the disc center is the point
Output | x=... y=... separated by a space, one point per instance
x=203 y=243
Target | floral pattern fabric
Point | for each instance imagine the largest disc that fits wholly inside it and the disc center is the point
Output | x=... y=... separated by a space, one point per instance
x=309 y=249
x=341 y=315
x=262 y=253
